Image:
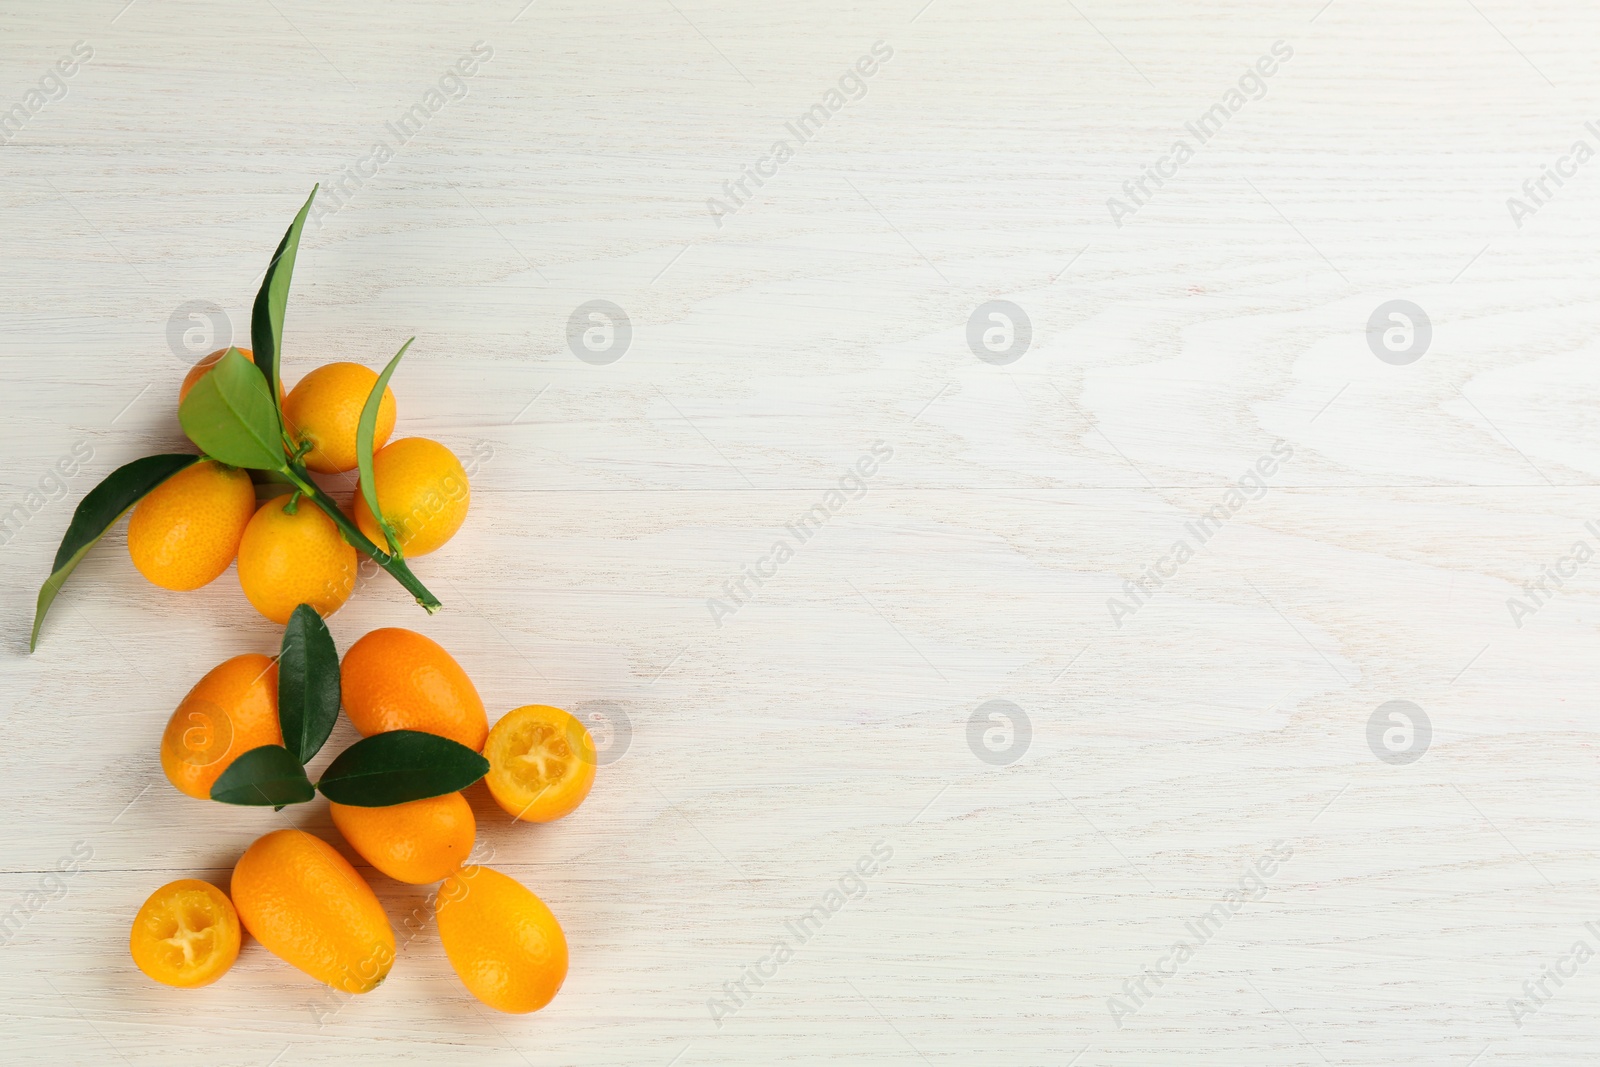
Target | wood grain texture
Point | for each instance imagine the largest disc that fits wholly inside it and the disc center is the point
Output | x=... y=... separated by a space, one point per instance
x=830 y=713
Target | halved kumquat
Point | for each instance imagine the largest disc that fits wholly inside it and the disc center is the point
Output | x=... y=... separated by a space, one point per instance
x=186 y=934
x=541 y=763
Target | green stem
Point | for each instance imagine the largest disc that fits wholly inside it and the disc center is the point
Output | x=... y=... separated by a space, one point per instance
x=395 y=565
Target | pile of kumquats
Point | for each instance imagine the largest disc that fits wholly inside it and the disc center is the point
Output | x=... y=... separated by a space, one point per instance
x=245 y=732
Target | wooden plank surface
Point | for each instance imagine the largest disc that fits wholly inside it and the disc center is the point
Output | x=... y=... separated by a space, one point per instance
x=1164 y=748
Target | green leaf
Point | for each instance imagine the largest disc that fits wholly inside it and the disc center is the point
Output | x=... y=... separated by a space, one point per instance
x=97 y=512
x=269 y=775
x=232 y=417
x=401 y=765
x=266 y=318
x=366 y=429
x=308 y=683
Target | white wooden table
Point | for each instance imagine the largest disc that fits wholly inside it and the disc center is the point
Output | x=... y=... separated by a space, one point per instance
x=1035 y=872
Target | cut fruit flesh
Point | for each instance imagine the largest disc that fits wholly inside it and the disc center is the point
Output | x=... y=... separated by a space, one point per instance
x=192 y=933
x=538 y=757
x=186 y=934
x=541 y=763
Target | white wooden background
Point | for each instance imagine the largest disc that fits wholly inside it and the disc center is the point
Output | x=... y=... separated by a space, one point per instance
x=831 y=712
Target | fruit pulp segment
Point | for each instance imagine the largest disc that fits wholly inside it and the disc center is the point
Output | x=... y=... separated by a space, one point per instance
x=188 y=929
x=538 y=756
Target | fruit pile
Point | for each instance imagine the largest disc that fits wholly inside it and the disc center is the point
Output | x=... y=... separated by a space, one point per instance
x=246 y=731
x=194 y=514
x=185 y=531
x=243 y=735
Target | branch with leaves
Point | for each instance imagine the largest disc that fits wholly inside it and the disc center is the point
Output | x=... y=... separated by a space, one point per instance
x=234 y=415
x=375 y=772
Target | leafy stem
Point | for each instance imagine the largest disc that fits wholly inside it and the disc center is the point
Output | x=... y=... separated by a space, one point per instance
x=394 y=564
x=378 y=771
x=234 y=415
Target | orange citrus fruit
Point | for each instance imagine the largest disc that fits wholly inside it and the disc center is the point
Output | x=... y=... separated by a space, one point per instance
x=233 y=709
x=422 y=492
x=503 y=942
x=396 y=679
x=541 y=763
x=418 y=842
x=186 y=531
x=186 y=934
x=307 y=906
x=324 y=408
x=199 y=370
x=286 y=560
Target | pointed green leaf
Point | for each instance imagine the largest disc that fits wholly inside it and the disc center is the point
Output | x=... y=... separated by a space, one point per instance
x=366 y=430
x=97 y=512
x=399 y=766
x=262 y=777
x=232 y=417
x=308 y=683
x=266 y=318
